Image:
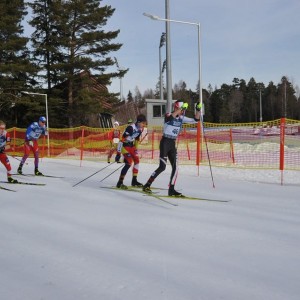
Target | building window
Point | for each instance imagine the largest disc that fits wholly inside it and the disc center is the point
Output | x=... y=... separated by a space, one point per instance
x=159 y=111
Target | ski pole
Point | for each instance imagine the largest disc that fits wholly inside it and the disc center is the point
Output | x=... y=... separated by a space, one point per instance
x=17 y=158
x=111 y=173
x=93 y=174
x=144 y=137
x=212 y=178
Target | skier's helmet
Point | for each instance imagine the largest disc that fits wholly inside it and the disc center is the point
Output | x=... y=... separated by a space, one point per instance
x=178 y=104
x=141 y=118
x=42 y=119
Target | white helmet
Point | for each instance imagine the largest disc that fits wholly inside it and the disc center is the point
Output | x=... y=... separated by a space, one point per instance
x=178 y=104
x=116 y=123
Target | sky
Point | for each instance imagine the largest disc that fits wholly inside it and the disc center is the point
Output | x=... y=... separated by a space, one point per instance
x=243 y=39
x=88 y=242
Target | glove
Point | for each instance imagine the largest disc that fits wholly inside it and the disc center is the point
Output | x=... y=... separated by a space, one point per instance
x=30 y=143
x=198 y=106
x=2 y=149
x=184 y=106
x=118 y=156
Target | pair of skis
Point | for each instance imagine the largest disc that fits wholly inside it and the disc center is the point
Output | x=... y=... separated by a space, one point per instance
x=25 y=183
x=30 y=175
x=158 y=196
x=132 y=189
x=19 y=182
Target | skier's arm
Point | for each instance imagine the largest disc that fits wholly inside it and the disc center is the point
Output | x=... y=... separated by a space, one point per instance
x=198 y=107
x=196 y=117
x=188 y=120
x=28 y=132
x=128 y=132
x=119 y=151
x=119 y=147
x=7 y=144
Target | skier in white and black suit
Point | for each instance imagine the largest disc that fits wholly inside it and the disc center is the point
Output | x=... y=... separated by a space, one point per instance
x=172 y=126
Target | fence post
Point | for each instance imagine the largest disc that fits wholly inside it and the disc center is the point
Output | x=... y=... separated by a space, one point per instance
x=187 y=143
x=198 y=151
x=81 y=144
x=231 y=145
x=188 y=150
x=14 y=141
x=282 y=136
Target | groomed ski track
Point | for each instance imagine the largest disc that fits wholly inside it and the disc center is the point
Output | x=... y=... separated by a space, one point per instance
x=60 y=242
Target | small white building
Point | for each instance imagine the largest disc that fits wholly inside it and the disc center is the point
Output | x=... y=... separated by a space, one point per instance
x=155 y=111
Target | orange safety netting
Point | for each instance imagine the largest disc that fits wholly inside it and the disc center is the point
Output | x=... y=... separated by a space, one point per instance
x=273 y=144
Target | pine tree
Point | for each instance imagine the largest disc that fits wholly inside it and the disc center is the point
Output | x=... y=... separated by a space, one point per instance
x=45 y=40
x=129 y=96
x=16 y=70
x=70 y=35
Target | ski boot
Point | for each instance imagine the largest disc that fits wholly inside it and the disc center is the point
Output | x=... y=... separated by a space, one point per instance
x=20 y=169
x=146 y=189
x=37 y=172
x=135 y=183
x=11 y=180
x=122 y=186
x=173 y=192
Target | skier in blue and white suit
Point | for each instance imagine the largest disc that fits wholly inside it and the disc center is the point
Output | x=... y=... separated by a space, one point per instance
x=33 y=133
x=172 y=125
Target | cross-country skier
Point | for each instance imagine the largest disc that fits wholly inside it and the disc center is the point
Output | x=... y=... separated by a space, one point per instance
x=128 y=147
x=33 y=132
x=5 y=145
x=167 y=148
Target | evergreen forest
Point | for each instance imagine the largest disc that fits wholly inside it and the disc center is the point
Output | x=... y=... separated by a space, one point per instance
x=66 y=62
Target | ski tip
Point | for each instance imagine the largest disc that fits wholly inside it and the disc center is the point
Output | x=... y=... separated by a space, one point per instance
x=50 y=176
x=183 y=197
x=44 y=175
x=5 y=189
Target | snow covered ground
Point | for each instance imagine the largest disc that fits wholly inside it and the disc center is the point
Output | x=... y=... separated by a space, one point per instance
x=85 y=242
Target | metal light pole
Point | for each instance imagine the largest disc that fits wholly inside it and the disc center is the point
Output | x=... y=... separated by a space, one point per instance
x=285 y=97
x=121 y=83
x=199 y=53
x=46 y=101
x=168 y=58
x=162 y=42
x=260 y=107
x=121 y=89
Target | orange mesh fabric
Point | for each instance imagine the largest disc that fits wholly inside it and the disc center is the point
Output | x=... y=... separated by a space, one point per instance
x=245 y=145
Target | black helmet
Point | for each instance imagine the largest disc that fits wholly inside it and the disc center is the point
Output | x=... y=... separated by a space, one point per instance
x=141 y=118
